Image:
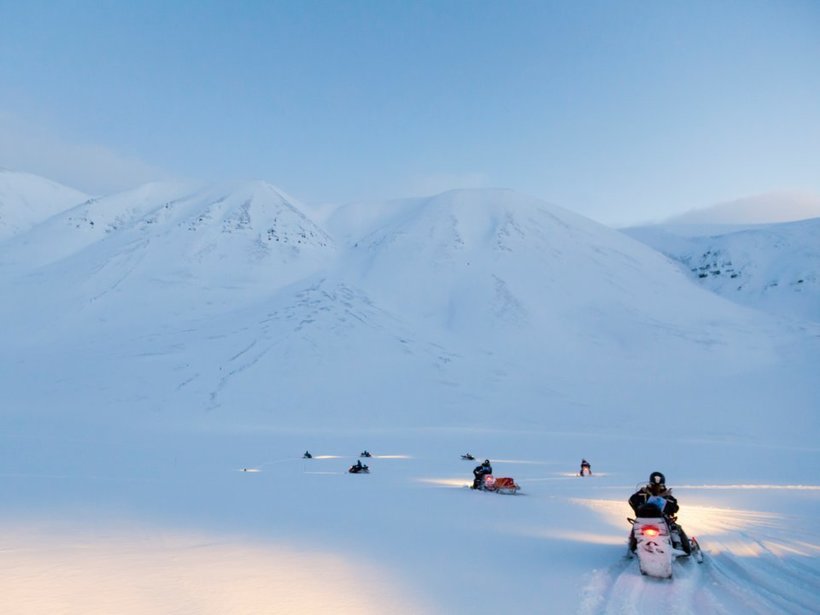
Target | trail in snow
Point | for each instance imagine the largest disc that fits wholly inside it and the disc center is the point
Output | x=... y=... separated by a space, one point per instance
x=751 y=565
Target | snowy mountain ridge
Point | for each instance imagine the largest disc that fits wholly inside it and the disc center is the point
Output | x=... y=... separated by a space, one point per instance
x=460 y=300
x=26 y=200
x=774 y=267
x=263 y=217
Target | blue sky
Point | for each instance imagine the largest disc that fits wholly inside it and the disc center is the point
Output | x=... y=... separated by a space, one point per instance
x=622 y=111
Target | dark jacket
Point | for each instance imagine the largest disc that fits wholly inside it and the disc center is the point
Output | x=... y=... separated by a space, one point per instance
x=642 y=496
x=482 y=470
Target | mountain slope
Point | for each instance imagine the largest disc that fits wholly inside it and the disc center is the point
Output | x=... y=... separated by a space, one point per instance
x=26 y=200
x=166 y=249
x=472 y=307
x=773 y=267
x=501 y=263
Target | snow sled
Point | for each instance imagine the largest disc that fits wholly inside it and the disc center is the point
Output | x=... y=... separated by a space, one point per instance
x=504 y=485
x=467 y=457
x=359 y=469
x=652 y=540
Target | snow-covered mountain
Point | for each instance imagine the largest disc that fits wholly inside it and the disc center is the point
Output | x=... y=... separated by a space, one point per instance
x=26 y=200
x=251 y=224
x=170 y=352
x=441 y=309
x=775 y=267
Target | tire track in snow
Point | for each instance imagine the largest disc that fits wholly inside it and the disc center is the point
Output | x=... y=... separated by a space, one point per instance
x=597 y=591
x=623 y=590
x=758 y=581
x=763 y=582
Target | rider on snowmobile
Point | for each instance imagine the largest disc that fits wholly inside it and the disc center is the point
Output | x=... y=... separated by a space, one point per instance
x=480 y=472
x=654 y=499
x=655 y=493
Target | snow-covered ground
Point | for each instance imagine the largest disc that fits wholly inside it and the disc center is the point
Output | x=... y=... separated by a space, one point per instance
x=165 y=367
x=171 y=523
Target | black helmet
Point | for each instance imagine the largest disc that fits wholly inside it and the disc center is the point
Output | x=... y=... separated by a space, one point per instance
x=657 y=478
x=486 y=462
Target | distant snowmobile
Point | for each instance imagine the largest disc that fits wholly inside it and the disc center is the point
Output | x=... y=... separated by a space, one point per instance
x=658 y=540
x=585 y=468
x=365 y=453
x=467 y=457
x=359 y=468
x=307 y=455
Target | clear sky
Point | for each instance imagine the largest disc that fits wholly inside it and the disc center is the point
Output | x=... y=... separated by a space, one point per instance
x=622 y=111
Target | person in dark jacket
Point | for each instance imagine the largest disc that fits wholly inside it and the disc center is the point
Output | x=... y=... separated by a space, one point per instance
x=480 y=472
x=655 y=499
x=654 y=493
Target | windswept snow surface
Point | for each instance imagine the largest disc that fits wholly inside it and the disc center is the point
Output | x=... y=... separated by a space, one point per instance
x=165 y=367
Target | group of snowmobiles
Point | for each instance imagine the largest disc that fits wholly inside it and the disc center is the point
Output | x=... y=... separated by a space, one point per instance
x=356 y=468
x=359 y=467
x=655 y=537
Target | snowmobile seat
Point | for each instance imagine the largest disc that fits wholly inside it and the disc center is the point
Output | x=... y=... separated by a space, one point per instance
x=648 y=511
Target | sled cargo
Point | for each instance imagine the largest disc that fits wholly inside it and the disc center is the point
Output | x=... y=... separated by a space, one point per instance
x=504 y=485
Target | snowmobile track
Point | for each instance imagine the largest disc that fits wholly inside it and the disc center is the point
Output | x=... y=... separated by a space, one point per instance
x=723 y=583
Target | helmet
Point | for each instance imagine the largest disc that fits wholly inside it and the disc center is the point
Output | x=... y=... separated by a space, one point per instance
x=486 y=462
x=657 y=483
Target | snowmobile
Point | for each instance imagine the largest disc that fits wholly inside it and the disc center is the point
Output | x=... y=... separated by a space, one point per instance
x=467 y=457
x=359 y=468
x=585 y=468
x=365 y=454
x=307 y=455
x=504 y=485
x=658 y=541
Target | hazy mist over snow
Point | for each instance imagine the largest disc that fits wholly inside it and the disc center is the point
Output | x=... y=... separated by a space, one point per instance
x=758 y=209
x=159 y=341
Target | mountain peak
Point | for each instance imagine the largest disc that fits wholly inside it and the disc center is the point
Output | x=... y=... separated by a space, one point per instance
x=27 y=199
